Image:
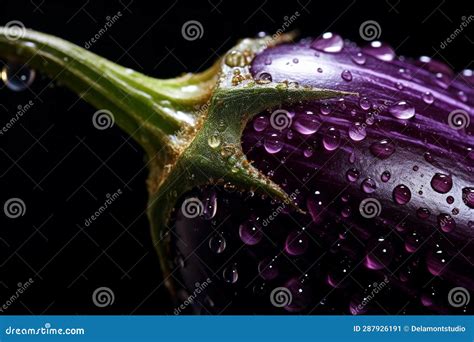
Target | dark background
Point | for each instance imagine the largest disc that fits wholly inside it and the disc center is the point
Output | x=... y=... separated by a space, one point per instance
x=63 y=168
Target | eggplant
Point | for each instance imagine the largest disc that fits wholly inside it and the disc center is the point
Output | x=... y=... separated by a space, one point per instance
x=309 y=177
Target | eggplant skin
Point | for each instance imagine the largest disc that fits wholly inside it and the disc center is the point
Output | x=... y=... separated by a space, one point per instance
x=384 y=179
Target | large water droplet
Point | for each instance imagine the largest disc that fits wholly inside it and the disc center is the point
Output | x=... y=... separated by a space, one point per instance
x=331 y=139
x=230 y=274
x=352 y=174
x=402 y=110
x=357 y=132
x=468 y=197
x=250 y=232
x=380 y=253
x=328 y=42
x=441 y=183
x=307 y=123
x=217 y=243
x=423 y=213
x=214 y=141
x=296 y=243
x=210 y=206
x=346 y=75
x=359 y=58
x=427 y=97
x=368 y=185
x=380 y=51
x=382 y=149
x=17 y=77
x=267 y=268
x=260 y=123
x=401 y=194
x=446 y=223
x=273 y=144
x=385 y=177
x=364 y=103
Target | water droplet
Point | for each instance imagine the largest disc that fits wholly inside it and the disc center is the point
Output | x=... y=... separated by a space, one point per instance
x=468 y=197
x=210 y=206
x=217 y=243
x=308 y=152
x=399 y=86
x=423 y=213
x=260 y=123
x=446 y=223
x=250 y=232
x=359 y=58
x=415 y=168
x=296 y=243
x=364 y=103
x=441 y=183
x=380 y=254
x=412 y=242
x=263 y=78
x=230 y=274
x=402 y=110
x=427 y=97
x=450 y=199
x=442 y=80
x=331 y=139
x=380 y=51
x=295 y=60
x=325 y=109
x=352 y=174
x=338 y=275
x=268 y=61
x=300 y=295
x=385 y=177
x=17 y=77
x=268 y=269
x=401 y=194
x=346 y=75
x=307 y=123
x=368 y=185
x=382 y=149
x=273 y=144
x=357 y=132
x=437 y=259
x=328 y=42
x=320 y=70
x=214 y=141
x=462 y=96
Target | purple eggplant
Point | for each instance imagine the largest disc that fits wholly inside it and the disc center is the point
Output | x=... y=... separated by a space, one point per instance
x=316 y=177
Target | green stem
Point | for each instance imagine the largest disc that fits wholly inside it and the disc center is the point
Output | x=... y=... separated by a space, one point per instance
x=150 y=110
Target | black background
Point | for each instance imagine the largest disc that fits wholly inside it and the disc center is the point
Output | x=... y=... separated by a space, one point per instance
x=62 y=167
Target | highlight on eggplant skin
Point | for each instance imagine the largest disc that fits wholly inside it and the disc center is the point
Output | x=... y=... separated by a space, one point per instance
x=385 y=179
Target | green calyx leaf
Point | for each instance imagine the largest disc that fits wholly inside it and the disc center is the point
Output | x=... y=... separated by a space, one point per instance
x=190 y=126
